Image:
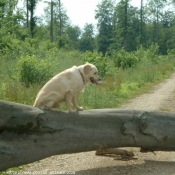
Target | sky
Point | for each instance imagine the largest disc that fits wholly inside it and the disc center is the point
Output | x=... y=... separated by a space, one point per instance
x=79 y=12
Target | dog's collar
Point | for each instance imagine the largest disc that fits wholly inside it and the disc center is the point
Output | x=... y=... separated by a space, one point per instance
x=82 y=76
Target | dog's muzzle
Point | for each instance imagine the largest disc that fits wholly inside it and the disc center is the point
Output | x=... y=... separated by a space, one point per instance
x=94 y=81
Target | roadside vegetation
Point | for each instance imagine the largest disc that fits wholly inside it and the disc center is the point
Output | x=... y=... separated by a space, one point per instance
x=133 y=48
x=124 y=74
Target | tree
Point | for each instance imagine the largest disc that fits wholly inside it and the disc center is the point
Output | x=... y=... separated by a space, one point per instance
x=60 y=21
x=73 y=34
x=29 y=134
x=166 y=40
x=126 y=27
x=141 y=22
x=87 y=40
x=125 y=32
x=11 y=20
x=27 y=12
x=143 y=25
x=133 y=26
x=104 y=15
x=155 y=8
x=31 y=8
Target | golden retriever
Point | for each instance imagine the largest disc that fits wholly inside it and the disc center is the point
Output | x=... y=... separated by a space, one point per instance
x=64 y=87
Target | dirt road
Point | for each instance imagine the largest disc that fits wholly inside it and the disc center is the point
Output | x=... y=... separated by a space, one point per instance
x=162 y=98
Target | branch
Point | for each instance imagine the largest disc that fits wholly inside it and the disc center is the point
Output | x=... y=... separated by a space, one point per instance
x=28 y=134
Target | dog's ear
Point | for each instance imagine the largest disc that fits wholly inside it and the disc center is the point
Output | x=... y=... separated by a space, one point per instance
x=87 y=68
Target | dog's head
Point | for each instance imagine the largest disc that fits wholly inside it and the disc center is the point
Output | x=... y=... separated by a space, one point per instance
x=91 y=73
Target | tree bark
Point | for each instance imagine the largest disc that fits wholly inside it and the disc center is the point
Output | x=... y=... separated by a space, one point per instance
x=28 y=134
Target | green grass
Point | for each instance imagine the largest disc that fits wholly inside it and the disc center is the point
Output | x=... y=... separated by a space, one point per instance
x=119 y=85
x=16 y=170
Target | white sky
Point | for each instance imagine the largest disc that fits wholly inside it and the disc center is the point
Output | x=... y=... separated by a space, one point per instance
x=80 y=12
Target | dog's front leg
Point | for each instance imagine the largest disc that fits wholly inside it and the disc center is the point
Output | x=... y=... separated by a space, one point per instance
x=68 y=100
x=74 y=102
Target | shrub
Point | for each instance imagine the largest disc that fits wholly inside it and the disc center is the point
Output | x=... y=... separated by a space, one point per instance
x=98 y=60
x=152 y=53
x=124 y=59
x=31 y=71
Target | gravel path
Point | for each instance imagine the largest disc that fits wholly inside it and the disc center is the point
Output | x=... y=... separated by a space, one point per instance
x=161 y=98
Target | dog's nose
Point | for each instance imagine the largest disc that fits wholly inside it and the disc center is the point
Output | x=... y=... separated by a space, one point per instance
x=99 y=79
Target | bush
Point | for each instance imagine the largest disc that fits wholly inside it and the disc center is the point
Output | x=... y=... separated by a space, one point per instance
x=31 y=71
x=98 y=60
x=125 y=59
x=152 y=53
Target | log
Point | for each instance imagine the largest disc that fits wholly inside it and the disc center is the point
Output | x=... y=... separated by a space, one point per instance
x=28 y=134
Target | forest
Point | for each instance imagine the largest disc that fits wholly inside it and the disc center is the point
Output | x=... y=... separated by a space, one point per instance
x=120 y=25
x=133 y=48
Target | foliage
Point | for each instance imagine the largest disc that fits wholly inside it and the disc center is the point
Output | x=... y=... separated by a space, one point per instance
x=124 y=59
x=87 y=40
x=131 y=54
x=104 y=15
x=118 y=84
x=97 y=59
x=73 y=34
x=31 y=71
x=120 y=25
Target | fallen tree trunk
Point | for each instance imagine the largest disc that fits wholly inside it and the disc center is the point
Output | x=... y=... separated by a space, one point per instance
x=29 y=134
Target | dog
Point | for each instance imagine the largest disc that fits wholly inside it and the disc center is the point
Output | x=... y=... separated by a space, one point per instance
x=64 y=87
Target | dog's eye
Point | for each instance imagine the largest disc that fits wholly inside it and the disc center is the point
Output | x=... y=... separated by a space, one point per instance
x=95 y=73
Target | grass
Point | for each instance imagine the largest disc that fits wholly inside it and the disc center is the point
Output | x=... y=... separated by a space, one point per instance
x=12 y=171
x=119 y=85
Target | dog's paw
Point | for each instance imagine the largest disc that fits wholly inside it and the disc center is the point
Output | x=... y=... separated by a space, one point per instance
x=71 y=111
x=80 y=109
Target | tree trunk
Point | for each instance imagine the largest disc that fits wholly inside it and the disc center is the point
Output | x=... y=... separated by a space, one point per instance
x=141 y=22
x=125 y=24
x=51 y=21
x=27 y=7
x=28 y=134
x=32 y=18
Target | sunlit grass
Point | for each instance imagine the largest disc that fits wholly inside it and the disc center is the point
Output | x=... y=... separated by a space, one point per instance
x=116 y=89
